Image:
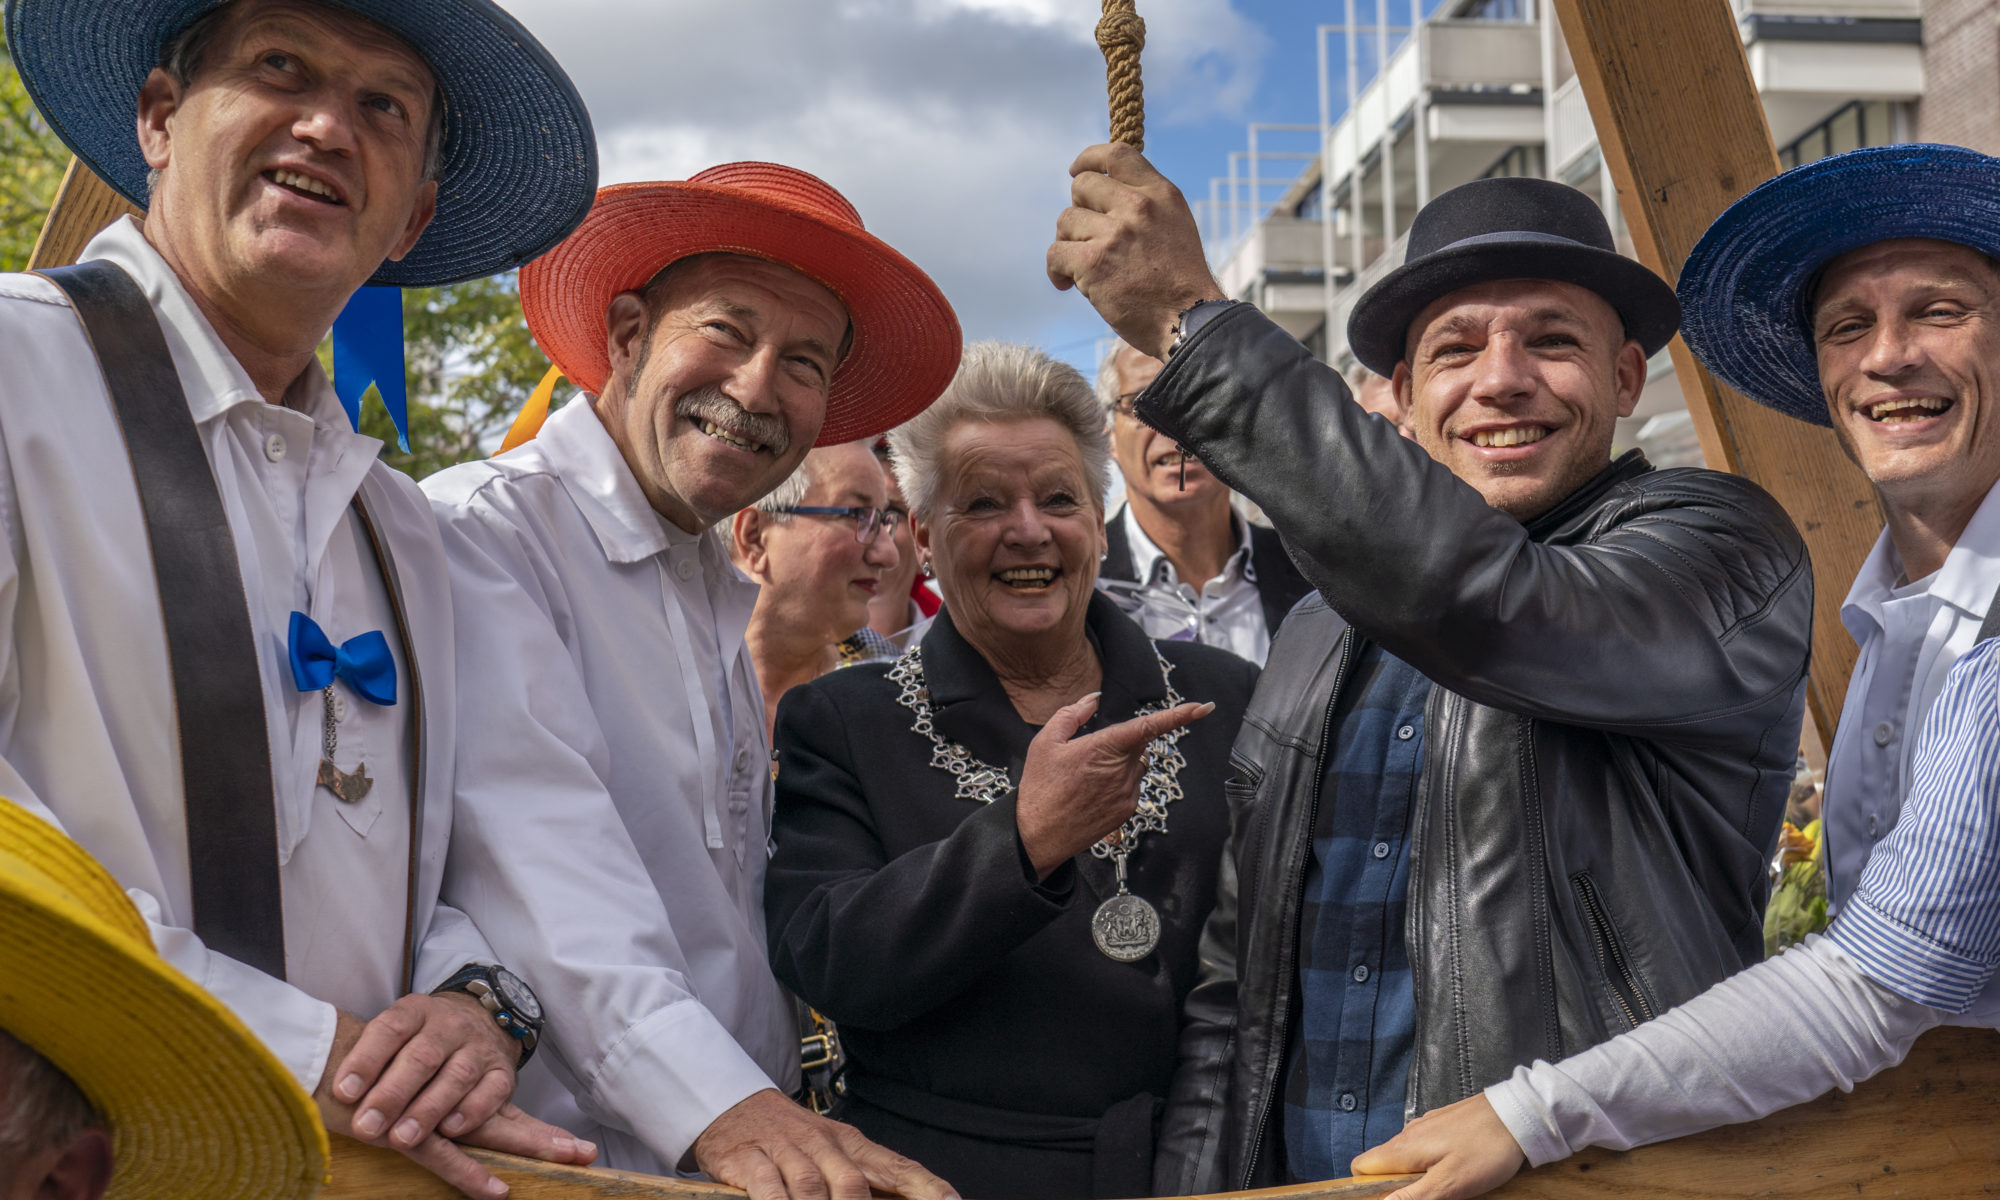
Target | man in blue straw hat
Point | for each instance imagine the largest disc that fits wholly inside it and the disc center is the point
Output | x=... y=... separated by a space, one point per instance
x=274 y=777
x=1862 y=292
x=1515 y=773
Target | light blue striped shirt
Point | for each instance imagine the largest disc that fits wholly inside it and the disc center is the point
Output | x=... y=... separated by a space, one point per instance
x=1925 y=920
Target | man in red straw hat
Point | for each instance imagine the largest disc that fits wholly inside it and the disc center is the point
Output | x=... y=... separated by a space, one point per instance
x=719 y=328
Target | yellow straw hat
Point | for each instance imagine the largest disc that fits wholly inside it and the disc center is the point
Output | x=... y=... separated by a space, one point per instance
x=198 y=1107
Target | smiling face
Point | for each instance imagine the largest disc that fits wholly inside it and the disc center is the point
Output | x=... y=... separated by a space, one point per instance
x=1908 y=338
x=1014 y=535
x=719 y=380
x=1149 y=460
x=295 y=154
x=1517 y=386
x=815 y=575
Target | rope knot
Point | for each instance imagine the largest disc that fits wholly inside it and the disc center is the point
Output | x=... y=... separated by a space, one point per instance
x=1118 y=30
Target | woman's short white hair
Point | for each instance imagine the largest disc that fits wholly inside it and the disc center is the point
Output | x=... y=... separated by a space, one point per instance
x=1000 y=382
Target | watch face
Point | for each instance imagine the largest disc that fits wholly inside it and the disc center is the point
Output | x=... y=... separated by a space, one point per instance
x=516 y=996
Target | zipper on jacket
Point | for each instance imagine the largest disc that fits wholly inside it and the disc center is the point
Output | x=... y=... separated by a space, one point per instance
x=1280 y=1014
x=1610 y=956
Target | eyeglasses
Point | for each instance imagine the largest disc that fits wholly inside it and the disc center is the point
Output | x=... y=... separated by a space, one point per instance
x=869 y=521
x=1124 y=403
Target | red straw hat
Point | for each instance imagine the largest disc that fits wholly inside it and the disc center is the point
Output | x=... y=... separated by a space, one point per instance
x=906 y=339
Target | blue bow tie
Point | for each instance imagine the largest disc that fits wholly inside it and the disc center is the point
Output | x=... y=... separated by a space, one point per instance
x=362 y=663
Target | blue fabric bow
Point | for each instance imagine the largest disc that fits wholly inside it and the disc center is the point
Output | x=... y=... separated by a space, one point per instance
x=362 y=663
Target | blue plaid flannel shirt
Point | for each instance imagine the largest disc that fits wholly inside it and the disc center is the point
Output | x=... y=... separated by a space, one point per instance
x=1349 y=1063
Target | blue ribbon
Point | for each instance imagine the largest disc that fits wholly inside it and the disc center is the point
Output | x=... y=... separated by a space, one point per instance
x=362 y=663
x=368 y=348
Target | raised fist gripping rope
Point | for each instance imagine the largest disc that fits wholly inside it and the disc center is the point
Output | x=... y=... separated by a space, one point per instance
x=1121 y=34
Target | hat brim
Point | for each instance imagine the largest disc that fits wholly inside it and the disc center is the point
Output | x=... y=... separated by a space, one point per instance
x=197 y=1105
x=1378 y=329
x=520 y=157
x=906 y=336
x=1746 y=286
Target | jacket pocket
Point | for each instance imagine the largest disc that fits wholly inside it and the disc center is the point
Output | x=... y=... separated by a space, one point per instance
x=1618 y=973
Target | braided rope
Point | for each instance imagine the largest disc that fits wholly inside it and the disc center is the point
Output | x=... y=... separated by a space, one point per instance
x=1121 y=34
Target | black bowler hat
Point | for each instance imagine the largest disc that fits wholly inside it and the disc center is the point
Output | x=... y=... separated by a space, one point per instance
x=1510 y=228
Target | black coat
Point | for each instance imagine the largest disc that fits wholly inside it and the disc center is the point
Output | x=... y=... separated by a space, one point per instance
x=986 y=1035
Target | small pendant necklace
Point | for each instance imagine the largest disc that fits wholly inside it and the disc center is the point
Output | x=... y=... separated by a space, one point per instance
x=1125 y=927
x=350 y=787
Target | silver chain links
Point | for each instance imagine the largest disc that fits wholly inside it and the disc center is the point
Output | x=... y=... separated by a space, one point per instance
x=981 y=781
x=329 y=737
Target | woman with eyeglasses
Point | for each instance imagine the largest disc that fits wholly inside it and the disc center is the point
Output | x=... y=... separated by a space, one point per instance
x=818 y=547
x=995 y=855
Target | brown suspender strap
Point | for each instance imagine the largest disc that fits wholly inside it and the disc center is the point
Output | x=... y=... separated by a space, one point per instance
x=218 y=698
x=393 y=584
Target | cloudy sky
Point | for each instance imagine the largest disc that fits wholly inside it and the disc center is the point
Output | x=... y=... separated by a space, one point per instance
x=949 y=123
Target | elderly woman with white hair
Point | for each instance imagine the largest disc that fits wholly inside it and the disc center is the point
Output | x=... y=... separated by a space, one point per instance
x=994 y=855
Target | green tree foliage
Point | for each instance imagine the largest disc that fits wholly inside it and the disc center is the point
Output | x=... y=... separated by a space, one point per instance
x=32 y=161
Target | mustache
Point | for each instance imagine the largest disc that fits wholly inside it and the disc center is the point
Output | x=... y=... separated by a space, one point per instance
x=711 y=405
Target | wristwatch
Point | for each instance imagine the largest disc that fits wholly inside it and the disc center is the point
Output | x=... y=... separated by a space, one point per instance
x=511 y=1002
x=1192 y=318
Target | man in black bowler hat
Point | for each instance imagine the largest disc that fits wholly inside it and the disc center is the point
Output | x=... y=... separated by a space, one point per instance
x=1510 y=780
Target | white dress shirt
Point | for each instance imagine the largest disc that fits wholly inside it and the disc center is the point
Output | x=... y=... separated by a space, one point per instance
x=1910 y=634
x=626 y=635
x=1226 y=612
x=87 y=719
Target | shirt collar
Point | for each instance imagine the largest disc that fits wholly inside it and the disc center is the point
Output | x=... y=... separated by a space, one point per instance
x=1147 y=558
x=210 y=375
x=584 y=457
x=1967 y=581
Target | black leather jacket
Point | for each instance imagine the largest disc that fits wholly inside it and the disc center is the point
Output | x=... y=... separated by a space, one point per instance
x=1617 y=692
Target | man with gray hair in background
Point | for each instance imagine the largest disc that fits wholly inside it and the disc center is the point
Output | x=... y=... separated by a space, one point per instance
x=1180 y=559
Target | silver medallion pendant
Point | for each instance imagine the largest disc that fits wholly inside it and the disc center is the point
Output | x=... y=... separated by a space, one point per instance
x=350 y=786
x=1126 y=928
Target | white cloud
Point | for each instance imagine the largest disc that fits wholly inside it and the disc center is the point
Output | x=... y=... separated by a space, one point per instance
x=949 y=123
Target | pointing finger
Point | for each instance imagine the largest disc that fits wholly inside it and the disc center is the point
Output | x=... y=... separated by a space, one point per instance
x=1070 y=718
x=1132 y=736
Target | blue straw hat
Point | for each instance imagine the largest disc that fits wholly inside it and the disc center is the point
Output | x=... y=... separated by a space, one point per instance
x=1747 y=289
x=520 y=158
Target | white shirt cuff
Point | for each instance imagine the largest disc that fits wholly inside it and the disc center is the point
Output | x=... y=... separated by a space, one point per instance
x=671 y=1075
x=1534 y=1127
x=292 y=1025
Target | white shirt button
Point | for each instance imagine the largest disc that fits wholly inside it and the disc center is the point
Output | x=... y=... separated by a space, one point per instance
x=1361 y=973
x=339 y=707
x=274 y=448
x=686 y=568
x=1884 y=733
x=1381 y=849
x=1406 y=732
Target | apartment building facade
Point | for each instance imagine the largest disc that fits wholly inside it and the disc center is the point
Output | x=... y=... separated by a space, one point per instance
x=1465 y=89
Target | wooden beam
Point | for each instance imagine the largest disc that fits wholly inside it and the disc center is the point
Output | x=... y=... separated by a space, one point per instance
x=1925 y=1128
x=1684 y=134
x=84 y=205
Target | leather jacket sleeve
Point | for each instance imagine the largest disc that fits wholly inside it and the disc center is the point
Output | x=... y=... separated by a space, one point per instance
x=1636 y=626
x=1190 y=1156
